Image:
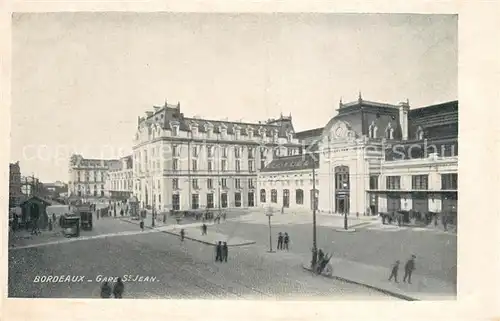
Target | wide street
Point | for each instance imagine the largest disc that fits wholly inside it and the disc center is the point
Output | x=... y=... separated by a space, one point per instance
x=173 y=269
x=371 y=244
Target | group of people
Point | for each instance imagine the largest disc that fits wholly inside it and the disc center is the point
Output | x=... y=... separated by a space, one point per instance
x=221 y=252
x=117 y=289
x=283 y=241
x=409 y=268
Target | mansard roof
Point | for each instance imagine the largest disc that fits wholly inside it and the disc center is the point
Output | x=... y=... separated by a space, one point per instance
x=163 y=116
x=293 y=163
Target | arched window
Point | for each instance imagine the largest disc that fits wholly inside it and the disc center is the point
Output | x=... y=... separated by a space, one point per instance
x=274 y=196
x=262 y=195
x=299 y=196
x=420 y=133
x=389 y=132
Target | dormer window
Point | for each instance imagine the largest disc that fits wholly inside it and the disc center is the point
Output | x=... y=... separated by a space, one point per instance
x=237 y=132
x=420 y=133
x=209 y=128
x=275 y=134
x=289 y=136
x=250 y=132
x=194 y=129
x=389 y=132
x=223 y=130
x=175 y=128
x=372 y=130
x=262 y=132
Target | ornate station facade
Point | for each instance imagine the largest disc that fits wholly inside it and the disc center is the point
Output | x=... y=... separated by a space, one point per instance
x=370 y=158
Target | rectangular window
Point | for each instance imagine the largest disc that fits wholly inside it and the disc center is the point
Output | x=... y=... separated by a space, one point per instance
x=175 y=131
x=393 y=182
x=195 y=183
x=175 y=183
x=223 y=165
x=449 y=181
x=250 y=183
x=195 y=165
x=420 y=182
x=251 y=167
x=237 y=183
x=210 y=200
x=238 y=165
x=237 y=152
x=175 y=164
x=237 y=199
x=251 y=199
x=262 y=164
x=223 y=198
x=210 y=151
x=224 y=151
x=195 y=151
x=224 y=182
x=374 y=182
x=195 y=201
x=250 y=153
x=210 y=183
x=176 y=203
x=175 y=150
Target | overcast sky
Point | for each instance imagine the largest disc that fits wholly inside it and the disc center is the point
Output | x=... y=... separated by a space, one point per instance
x=79 y=80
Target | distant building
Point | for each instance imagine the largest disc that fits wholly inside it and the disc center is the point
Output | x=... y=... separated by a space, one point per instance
x=87 y=177
x=190 y=163
x=120 y=181
x=371 y=158
x=56 y=189
x=15 y=192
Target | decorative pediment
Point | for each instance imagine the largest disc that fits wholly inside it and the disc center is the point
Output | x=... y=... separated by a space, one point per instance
x=341 y=130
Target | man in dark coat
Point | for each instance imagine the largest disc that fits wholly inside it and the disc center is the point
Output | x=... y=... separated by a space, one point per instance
x=218 y=252
x=280 y=241
x=118 y=289
x=224 y=252
x=394 y=271
x=141 y=224
x=105 y=290
x=286 y=241
x=409 y=268
x=182 y=235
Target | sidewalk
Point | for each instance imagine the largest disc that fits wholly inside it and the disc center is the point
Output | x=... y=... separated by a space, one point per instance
x=375 y=277
x=193 y=232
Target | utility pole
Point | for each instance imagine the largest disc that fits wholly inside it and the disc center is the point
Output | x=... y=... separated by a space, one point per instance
x=269 y=215
x=314 y=249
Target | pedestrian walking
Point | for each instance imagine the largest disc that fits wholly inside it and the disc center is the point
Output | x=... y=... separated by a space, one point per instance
x=224 y=252
x=121 y=212
x=280 y=241
x=141 y=224
x=118 y=289
x=204 y=228
x=286 y=241
x=218 y=252
x=224 y=216
x=106 y=290
x=409 y=268
x=394 y=271
x=53 y=218
x=182 y=235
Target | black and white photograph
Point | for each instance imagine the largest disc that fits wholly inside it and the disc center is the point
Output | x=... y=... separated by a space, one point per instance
x=243 y=156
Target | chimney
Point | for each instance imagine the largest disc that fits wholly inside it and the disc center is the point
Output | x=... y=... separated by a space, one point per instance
x=404 y=107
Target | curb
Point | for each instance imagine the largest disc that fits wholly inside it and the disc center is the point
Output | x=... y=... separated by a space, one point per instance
x=384 y=291
x=190 y=238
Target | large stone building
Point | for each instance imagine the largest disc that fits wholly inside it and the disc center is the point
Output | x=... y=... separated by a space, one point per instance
x=189 y=163
x=371 y=158
x=87 y=177
x=120 y=182
x=15 y=194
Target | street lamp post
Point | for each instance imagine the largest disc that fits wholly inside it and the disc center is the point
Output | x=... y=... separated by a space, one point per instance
x=346 y=200
x=314 y=249
x=269 y=214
